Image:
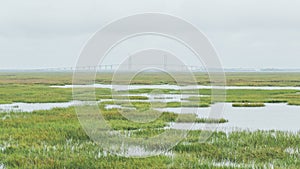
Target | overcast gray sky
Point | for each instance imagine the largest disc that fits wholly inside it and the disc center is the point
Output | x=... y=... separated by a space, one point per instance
x=246 y=33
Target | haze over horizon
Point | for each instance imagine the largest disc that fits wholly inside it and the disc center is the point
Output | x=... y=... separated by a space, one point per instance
x=247 y=34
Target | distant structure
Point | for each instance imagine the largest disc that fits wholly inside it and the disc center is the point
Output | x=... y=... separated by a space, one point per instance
x=134 y=63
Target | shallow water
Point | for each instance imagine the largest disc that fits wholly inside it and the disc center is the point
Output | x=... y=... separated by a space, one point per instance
x=175 y=87
x=113 y=106
x=156 y=97
x=271 y=117
x=281 y=116
x=29 y=107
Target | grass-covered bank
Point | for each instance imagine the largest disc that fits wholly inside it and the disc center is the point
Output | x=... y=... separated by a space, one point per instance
x=233 y=79
x=34 y=87
x=252 y=97
x=10 y=93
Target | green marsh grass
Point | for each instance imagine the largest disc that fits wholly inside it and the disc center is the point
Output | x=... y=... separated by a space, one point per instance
x=232 y=79
x=248 y=105
x=55 y=139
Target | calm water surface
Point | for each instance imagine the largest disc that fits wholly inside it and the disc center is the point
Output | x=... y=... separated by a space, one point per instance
x=175 y=87
x=271 y=117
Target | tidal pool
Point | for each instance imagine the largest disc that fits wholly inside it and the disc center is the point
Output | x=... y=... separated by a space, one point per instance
x=175 y=87
x=165 y=98
x=280 y=117
x=29 y=107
